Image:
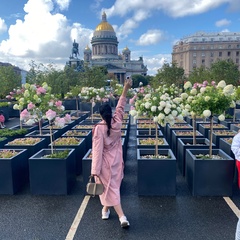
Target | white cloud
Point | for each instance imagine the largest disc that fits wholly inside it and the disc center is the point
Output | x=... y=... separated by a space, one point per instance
x=140 y=10
x=63 y=4
x=42 y=36
x=222 y=22
x=225 y=30
x=150 y=37
x=3 y=26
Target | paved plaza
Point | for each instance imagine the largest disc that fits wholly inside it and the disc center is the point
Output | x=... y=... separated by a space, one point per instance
x=183 y=217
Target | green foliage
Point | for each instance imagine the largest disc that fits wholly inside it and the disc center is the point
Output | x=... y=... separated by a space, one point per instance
x=8 y=80
x=4 y=104
x=225 y=70
x=12 y=132
x=137 y=79
x=199 y=75
x=58 y=154
x=169 y=74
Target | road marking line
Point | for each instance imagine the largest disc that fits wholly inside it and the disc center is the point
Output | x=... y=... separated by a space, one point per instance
x=232 y=205
x=77 y=219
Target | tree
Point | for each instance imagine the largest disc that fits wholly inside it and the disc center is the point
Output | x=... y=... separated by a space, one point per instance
x=225 y=70
x=9 y=80
x=200 y=75
x=137 y=78
x=169 y=74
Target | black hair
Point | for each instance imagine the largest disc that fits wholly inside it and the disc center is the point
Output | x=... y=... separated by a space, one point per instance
x=1 y=112
x=105 y=111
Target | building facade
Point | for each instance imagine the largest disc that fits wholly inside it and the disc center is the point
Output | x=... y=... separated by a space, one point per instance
x=104 y=52
x=203 y=49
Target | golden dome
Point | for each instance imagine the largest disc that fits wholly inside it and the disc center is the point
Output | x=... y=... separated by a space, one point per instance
x=104 y=25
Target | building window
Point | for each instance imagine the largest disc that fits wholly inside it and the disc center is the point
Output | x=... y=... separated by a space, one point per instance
x=212 y=54
x=194 y=54
x=238 y=46
x=220 y=39
x=220 y=54
x=203 y=61
x=212 y=39
x=194 y=62
x=211 y=47
x=203 y=54
x=220 y=47
x=211 y=61
x=229 y=46
x=237 y=54
x=194 y=47
x=229 y=54
x=237 y=60
x=203 y=47
x=203 y=39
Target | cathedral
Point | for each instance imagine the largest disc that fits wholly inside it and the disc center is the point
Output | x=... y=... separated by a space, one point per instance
x=104 y=52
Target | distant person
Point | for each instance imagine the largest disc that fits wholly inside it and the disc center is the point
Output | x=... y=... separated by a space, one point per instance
x=2 y=120
x=107 y=158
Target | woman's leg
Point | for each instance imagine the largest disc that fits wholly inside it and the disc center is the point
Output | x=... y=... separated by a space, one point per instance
x=119 y=211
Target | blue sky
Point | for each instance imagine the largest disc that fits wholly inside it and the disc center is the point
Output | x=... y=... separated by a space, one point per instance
x=43 y=30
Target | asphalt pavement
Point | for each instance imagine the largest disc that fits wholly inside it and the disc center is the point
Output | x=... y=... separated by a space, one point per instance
x=24 y=216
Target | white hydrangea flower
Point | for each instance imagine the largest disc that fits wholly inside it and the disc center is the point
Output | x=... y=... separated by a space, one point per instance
x=222 y=84
x=184 y=96
x=162 y=104
x=167 y=110
x=228 y=90
x=133 y=112
x=193 y=91
x=160 y=108
x=16 y=107
x=206 y=113
x=221 y=117
x=202 y=89
x=233 y=104
x=187 y=85
x=155 y=119
x=161 y=116
x=147 y=105
x=153 y=108
x=207 y=98
x=180 y=117
x=174 y=113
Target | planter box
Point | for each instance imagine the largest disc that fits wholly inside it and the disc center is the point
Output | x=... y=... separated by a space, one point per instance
x=187 y=143
x=164 y=145
x=14 y=172
x=45 y=134
x=176 y=136
x=209 y=177
x=52 y=176
x=204 y=129
x=189 y=120
x=228 y=122
x=87 y=137
x=3 y=142
x=71 y=104
x=177 y=126
x=235 y=127
x=29 y=128
x=156 y=177
x=145 y=133
x=80 y=151
x=58 y=131
x=216 y=138
x=31 y=149
x=86 y=167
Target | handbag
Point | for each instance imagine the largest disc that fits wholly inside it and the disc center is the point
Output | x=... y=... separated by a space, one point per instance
x=93 y=188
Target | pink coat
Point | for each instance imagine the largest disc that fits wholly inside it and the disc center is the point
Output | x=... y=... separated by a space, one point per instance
x=107 y=159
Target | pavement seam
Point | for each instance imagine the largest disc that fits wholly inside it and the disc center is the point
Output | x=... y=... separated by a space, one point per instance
x=232 y=205
x=77 y=219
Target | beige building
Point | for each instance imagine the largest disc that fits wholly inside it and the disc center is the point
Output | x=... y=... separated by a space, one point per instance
x=104 y=52
x=203 y=49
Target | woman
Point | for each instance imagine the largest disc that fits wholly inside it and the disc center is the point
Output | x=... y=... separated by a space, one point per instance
x=107 y=159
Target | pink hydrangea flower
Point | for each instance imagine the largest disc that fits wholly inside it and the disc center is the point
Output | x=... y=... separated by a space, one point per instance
x=58 y=103
x=59 y=122
x=50 y=114
x=41 y=90
x=30 y=106
x=67 y=118
x=24 y=115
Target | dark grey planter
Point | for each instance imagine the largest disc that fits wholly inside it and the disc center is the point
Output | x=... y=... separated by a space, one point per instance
x=228 y=122
x=164 y=145
x=152 y=134
x=14 y=172
x=45 y=134
x=156 y=177
x=189 y=120
x=58 y=131
x=204 y=128
x=187 y=143
x=86 y=168
x=29 y=128
x=80 y=151
x=31 y=149
x=3 y=142
x=86 y=134
x=212 y=177
x=71 y=104
x=176 y=134
x=177 y=126
x=216 y=138
x=52 y=176
x=235 y=127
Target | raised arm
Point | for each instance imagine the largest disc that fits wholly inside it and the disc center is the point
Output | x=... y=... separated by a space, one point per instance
x=118 y=115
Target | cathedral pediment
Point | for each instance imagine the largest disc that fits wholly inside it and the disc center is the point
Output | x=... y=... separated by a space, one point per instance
x=111 y=66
